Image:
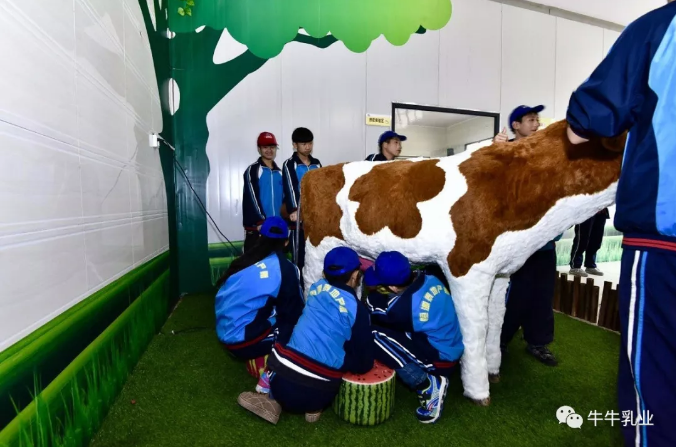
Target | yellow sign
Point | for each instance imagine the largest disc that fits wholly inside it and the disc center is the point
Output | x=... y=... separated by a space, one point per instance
x=378 y=120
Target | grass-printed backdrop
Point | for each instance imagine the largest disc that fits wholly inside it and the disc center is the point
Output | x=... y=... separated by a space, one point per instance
x=611 y=249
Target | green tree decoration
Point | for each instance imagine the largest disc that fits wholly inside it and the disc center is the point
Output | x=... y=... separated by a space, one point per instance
x=264 y=27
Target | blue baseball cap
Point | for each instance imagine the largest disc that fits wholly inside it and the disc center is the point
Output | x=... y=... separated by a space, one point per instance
x=390 y=269
x=275 y=228
x=390 y=134
x=341 y=260
x=522 y=111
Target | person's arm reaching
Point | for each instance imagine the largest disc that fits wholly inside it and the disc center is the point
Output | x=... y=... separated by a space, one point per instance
x=359 y=350
x=289 y=303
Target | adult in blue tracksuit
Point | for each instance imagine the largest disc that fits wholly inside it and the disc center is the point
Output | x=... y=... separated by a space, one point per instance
x=415 y=329
x=389 y=147
x=634 y=89
x=293 y=170
x=263 y=192
x=332 y=337
x=529 y=304
x=259 y=299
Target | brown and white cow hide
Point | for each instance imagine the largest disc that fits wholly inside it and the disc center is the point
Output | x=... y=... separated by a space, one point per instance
x=479 y=216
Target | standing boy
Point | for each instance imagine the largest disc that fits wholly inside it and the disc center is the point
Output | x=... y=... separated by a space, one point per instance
x=293 y=170
x=531 y=291
x=389 y=147
x=262 y=197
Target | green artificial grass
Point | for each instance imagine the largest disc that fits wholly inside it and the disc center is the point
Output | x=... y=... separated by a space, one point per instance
x=184 y=391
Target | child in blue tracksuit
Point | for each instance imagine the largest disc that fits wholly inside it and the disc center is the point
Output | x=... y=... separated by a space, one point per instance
x=259 y=299
x=634 y=89
x=332 y=337
x=389 y=147
x=415 y=328
x=263 y=192
x=293 y=170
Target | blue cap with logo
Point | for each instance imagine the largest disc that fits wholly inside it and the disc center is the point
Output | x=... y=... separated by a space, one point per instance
x=390 y=269
x=275 y=228
x=522 y=111
x=388 y=135
x=341 y=260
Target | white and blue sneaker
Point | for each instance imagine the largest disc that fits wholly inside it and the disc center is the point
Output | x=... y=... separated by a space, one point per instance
x=263 y=386
x=432 y=399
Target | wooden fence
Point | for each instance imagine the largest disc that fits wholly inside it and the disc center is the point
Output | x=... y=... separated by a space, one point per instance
x=581 y=300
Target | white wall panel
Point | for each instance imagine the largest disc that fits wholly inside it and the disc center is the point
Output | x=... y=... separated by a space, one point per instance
x=29 y=98
x=39 y=280
x=528 y=60
x=138 y=97
x=579 y=50
x=102 y=120
x=470 y=56
x=408 y=73
x=109 y=252
x=137 y=49
x=328 y=99
x=105 y=189
x=78 y=178
x=39 y=181
x=100 y=50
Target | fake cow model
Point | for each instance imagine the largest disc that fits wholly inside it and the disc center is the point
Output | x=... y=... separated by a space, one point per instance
x=479 y=216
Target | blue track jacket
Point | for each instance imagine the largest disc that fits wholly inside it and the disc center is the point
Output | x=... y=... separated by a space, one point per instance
x=634 y=89
x=263 y=193
x=376 y=157
x=333 y=336
x=293 y=171
x=257 y=299
x=425 y=308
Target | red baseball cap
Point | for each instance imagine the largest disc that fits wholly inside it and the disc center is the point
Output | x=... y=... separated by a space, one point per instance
x=267 y=139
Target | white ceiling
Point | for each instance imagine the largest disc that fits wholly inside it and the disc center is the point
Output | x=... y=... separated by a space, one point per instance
x=622 y=12
x=407 y=117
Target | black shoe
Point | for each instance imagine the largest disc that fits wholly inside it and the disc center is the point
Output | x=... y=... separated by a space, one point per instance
x=543 y=354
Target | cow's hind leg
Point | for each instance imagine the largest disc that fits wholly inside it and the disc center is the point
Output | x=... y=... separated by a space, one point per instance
x=496 y=315
x=314 y=259
x=470 y=298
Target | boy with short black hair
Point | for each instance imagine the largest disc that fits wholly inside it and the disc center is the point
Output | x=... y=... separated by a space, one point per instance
x=293 y=170
x=263 y=192
x=415 y=328
x=531 y=290
x=333 y=336
x=389 y=146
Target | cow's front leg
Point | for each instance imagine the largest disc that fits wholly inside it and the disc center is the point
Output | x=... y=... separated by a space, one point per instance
x=470 y=298
x=314 y=260
x=496 y=315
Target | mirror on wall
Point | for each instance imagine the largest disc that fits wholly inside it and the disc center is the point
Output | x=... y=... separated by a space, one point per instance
x=439 y=132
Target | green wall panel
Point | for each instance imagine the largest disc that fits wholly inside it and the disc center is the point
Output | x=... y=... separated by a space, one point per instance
x=43 y=354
